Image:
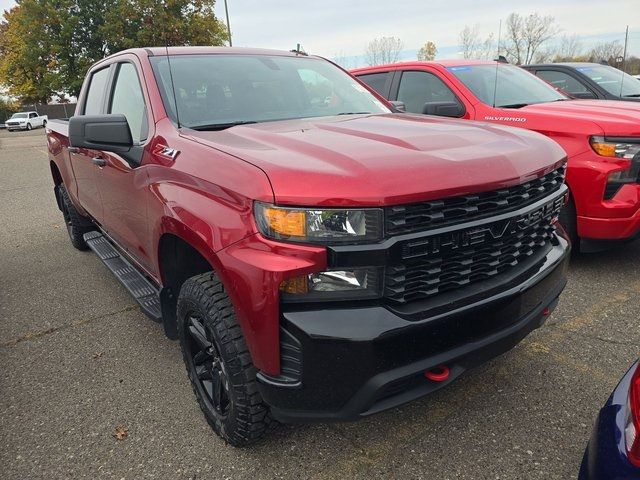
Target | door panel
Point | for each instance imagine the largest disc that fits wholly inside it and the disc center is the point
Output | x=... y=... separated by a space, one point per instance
x=122 y=184
x=81 y=160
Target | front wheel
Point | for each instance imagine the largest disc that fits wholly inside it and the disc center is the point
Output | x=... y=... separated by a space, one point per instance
x=569 y=220
x=218 y=362
x=29 y=127
x=44 y=123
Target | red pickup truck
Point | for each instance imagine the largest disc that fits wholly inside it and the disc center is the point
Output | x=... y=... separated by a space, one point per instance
x=601 y=138
x=318 y=256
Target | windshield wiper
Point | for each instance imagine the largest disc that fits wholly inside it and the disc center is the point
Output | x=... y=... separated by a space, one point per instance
x=221 y=126
x=513 y=105
x=632 y=95
x=352 y=113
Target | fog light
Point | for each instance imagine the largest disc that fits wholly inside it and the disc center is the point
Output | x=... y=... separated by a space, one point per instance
x=352 y=284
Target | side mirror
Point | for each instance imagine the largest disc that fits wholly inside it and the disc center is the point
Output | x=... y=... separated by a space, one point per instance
x=110 y=133
x=398 y=105
x=443 y=109
x=584 y=95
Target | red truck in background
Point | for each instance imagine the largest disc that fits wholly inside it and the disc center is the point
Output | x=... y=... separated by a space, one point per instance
x=601 y=138
x=318 y=256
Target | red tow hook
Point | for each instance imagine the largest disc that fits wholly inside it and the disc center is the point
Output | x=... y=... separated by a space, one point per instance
x=437 y=374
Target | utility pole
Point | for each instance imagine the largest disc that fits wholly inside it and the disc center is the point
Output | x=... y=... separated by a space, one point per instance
x=226 y=11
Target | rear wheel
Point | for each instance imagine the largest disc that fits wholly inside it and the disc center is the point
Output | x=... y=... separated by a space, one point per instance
x=218 y=362
x=76 y=224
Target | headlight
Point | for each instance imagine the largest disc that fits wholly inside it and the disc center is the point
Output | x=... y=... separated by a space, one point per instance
x=352 y=284
x=326 y=226
x=625 y=148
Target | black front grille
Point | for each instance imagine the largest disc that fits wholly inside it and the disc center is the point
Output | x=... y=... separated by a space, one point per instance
x=419 y=217
x=432 y=265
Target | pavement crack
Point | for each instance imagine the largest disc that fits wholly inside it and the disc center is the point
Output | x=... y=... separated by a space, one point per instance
x=76 y=323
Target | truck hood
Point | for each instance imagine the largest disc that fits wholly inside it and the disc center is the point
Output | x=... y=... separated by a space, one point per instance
x=385 y=159
x=611 y=116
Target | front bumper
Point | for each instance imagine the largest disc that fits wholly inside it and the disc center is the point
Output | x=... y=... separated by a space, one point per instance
x=354 y=362
x=16 y=127
x=605 y=457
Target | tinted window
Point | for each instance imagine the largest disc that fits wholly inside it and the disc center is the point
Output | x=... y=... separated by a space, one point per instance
x=214 y=90
x=514 y=88
x=377 y=81
x=418 y=88
x=93 y=103
x=128 y=100
x=563 y=81
x=33 y=115
x=612 y=80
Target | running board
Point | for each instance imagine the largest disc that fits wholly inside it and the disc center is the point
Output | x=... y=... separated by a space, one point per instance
x=144 y=292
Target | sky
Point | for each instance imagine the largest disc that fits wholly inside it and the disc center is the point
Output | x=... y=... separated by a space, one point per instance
x=342 y=28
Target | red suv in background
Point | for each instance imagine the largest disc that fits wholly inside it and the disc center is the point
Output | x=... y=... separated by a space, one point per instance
x=601 y=138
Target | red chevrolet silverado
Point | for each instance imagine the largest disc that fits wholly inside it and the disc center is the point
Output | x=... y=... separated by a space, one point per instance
x=318 y=256
x=601 y=138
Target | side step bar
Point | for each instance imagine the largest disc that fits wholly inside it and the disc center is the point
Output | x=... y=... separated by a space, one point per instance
x=145 y=293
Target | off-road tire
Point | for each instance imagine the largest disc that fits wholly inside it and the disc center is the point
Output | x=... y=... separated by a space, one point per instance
x=569 y=221
x=247 y=418
x=76 y=224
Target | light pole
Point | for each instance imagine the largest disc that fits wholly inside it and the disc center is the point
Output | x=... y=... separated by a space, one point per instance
x=226 y=11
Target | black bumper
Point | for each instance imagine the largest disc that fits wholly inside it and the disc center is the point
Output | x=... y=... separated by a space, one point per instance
x=358 y=361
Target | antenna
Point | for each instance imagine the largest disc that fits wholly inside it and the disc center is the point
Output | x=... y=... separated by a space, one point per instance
x=624 y=58
x=173 y=87
x=495 y=84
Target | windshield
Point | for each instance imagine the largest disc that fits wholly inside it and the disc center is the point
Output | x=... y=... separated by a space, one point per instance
x=218 y=91
x=19 y=115
x=515 y=87
x=611 y=78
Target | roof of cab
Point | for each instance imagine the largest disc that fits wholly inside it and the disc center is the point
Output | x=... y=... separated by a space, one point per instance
x=203 y=50
x=442 y=63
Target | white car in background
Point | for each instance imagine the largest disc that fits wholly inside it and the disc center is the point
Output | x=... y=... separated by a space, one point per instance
x=26 y=121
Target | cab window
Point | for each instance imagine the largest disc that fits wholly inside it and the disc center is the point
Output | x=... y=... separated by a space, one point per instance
x=128 y=100
x=562 y=81
x=95 y=95
x=418 y=88
x=377 y=81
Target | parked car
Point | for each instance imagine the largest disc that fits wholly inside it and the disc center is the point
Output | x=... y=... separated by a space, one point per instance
x=318 y=260
x=614 y=449
x=2 y=126
x=26 y=121
x=589 y=80
x=601 y=138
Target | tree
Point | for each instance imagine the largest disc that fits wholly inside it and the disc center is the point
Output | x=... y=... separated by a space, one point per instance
x=27 y=59
x=525 y=35
x=569 y=48
x=383 y=50
x=472 y=46
x=606 y=51
x=46 y=46
x=428 y=52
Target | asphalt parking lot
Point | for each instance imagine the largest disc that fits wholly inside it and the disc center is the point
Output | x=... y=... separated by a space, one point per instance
x=77 y=360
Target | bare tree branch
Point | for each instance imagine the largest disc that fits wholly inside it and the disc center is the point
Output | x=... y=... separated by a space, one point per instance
x=525 y=35
x=383 y=50
x=472 y=46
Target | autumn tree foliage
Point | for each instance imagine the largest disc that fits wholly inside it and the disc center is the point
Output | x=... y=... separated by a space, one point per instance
x=46 y=46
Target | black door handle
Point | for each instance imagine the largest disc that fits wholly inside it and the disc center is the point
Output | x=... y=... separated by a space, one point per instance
x=100 y=162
